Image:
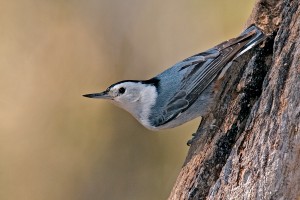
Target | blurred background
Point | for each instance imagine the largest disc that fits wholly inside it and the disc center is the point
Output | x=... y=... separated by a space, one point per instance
x=55 y=144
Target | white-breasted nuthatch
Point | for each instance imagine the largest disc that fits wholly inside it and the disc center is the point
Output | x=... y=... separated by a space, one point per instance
x=182 y=92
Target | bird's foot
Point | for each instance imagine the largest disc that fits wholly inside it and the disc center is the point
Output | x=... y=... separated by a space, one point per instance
x=190 y=141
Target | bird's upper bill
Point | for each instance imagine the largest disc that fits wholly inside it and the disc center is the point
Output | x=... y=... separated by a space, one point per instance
x=101 y=95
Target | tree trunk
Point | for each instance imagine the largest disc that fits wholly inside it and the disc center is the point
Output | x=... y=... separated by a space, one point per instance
x=249 y=146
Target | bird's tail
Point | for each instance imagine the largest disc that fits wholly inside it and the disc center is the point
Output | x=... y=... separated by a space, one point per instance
x=239 y=45
x=257 y=36
x=248 y=38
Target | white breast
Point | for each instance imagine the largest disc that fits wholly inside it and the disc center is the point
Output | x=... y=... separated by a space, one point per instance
x=148 y=98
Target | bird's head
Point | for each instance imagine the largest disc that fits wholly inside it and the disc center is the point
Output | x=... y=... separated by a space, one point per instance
x=136 y=97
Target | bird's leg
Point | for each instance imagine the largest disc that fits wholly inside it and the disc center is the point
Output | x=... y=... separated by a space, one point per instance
x=195 y=135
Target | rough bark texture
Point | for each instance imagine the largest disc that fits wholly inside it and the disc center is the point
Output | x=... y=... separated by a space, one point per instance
x=249 y=146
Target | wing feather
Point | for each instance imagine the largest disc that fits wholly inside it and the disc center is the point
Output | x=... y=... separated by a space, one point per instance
x=202 y=69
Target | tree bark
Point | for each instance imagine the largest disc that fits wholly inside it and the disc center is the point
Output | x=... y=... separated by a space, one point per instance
x=249 y=146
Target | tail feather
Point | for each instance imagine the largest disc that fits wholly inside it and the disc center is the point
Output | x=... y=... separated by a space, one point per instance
x=257 y=37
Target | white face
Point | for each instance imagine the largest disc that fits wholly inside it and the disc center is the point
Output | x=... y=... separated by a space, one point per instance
x=126 y=93
x=135 y=97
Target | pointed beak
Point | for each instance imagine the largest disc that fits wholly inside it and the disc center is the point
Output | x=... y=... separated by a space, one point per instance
x=101 y=95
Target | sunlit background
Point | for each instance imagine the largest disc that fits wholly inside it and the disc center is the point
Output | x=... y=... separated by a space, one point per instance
x=57 y=145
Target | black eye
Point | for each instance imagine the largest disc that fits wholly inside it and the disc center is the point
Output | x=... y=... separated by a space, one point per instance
x=122 y=90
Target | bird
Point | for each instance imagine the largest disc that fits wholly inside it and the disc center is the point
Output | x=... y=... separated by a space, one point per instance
x=184 y=91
